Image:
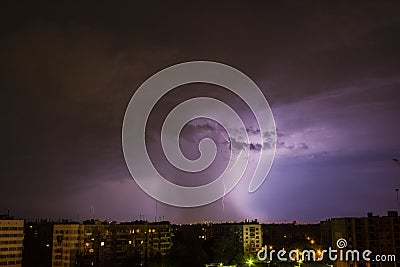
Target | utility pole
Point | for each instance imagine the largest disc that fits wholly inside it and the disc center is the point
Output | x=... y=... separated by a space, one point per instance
x=397 y=161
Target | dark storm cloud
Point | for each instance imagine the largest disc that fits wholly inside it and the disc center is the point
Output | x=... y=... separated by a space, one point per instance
x=255 y=147
x=253 y=131
x=193 y=133
x=68 y=70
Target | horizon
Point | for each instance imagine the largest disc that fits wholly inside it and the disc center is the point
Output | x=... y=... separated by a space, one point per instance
x=244 y=220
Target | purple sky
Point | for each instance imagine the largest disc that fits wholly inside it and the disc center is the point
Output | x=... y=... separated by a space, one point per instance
x=329 y=71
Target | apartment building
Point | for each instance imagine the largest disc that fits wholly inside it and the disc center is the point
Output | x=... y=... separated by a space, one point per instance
x=66 y=244
x=95 y=243
x=379 y=234
x=11 y=241
x=252 y=237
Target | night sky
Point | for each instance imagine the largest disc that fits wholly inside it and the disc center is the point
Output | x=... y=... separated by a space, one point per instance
x=330 y=71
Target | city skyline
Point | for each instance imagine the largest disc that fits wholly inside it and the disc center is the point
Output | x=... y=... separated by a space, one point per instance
x=329 y=72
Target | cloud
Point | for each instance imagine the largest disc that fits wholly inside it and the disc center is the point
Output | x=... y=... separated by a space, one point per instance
x=253 y=131
x=347 y=120
x=330 y=74
x=238 y=145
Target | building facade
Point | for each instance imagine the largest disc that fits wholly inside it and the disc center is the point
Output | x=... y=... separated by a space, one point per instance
x=252 y=237
x=379 y=234
x=66 y=244
x=95 y=243
x=11 y=242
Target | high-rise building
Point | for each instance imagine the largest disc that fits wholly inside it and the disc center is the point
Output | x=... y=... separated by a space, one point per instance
x=66 y=243
x=379 y=234
x=252 y=237
x=11 y=241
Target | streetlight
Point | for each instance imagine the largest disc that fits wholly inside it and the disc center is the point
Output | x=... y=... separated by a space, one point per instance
x=250 y=262
x=299 y=262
